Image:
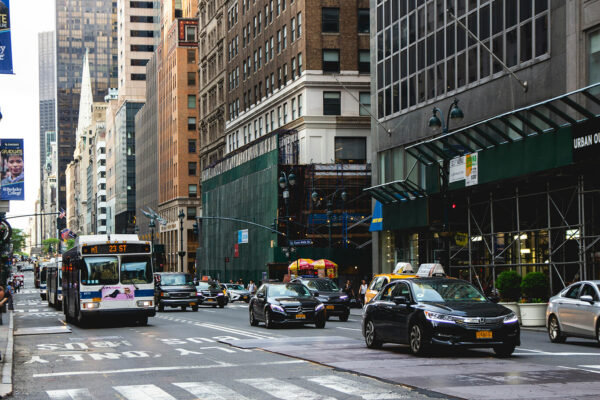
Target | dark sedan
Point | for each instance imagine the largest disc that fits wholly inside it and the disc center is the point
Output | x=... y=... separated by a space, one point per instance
x=337 y=303
x=438 y=311
x=286 y=303
x=210 y=293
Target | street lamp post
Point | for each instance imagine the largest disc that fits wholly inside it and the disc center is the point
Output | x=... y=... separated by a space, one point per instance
x=286 y=181
x=330 y=200
x=181 y=253
x=456 y=114
x=152 y=225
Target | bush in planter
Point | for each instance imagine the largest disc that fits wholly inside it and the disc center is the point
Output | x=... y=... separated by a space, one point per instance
x=508 y=284
x=535 y=287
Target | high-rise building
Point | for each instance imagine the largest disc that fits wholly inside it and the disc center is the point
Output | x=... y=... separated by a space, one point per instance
x=177 y=134
x=47 y=92
x=480 y=166
x=81 y=25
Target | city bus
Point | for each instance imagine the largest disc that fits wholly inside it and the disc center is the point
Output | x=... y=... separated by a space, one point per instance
x=108 y=275
x=54 y=283
x=42 y=277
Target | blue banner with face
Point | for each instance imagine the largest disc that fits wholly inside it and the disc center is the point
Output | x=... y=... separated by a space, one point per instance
x=6 y=66
x=13 y=170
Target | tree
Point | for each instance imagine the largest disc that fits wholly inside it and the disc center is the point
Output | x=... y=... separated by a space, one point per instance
x=70 y=244
x=50 y=245
x=17 y=239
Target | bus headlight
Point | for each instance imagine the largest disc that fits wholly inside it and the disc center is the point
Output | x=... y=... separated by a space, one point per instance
x=144 y=303
x=89 y=306
x=60 y=297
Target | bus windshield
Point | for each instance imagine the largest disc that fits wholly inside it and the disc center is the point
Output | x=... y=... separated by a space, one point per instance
x=100 y=271
x=136 y=269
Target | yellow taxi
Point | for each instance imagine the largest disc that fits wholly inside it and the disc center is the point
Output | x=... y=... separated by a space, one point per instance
x=401 y=271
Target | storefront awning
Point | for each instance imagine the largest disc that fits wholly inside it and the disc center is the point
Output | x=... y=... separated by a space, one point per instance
x=541 y=118
x=401 y=190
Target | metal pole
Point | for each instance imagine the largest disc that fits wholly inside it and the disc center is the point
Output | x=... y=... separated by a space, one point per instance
x=518 y=231
x=582 y=271
x=469 y=237
x=493 y=240
x=549 y=236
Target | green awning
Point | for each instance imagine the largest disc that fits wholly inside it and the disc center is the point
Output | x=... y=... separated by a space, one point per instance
x=541 y=118
x=397 y=191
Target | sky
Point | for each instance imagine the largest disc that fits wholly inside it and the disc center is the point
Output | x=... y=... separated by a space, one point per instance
x=19 y=95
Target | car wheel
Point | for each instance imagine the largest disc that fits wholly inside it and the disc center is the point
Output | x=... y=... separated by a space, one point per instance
x=161 y=308
x=344 y=317
x=269 y=319
x=183 y=308
x=504 y=350
x=598 y=332
x=214 y=306
x=253 y=320
x=194 y=308
x=554 y=332
x=327 y=317
x=320 y=322
x=371 y=336
x=417 y=340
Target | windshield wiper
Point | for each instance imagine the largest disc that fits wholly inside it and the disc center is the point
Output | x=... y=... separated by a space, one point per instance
x=133 y=283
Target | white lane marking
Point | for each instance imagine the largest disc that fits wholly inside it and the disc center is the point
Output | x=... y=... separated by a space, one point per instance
x=143 y=392
x=346 y=386
x=175 y=368
x=590 y=366
x=70 y=394
x=579 y=369
x=233 y=330
x=548 y=353
x=348 y=329
x=283 y=390
x=210 y=391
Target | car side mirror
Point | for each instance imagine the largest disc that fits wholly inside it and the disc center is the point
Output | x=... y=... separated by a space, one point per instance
x=587 y=298
x=401 y=300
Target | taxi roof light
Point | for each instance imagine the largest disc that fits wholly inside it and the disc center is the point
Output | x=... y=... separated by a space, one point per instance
x=428 y=270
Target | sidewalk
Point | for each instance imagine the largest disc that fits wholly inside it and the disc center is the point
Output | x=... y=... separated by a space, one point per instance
x=6 y=349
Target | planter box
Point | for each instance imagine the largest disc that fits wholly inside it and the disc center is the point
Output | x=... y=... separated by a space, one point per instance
x=514 y=307
x=533 y=314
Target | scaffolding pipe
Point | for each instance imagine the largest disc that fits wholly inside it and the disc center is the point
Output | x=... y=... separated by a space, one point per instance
x=493 y=241
x=518 y=230
x=549 y=237
x=469 y=237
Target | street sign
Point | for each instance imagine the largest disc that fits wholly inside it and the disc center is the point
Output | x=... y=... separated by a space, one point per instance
x=243 y=236
x=301 y=242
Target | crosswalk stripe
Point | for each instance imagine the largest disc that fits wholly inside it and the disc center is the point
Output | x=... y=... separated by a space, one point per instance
x=143 y=392
x=210 y=391
x=366 y=391
x=283 y=390
x=70 y=394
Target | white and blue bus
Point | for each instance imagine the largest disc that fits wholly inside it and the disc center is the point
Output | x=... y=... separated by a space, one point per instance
x=54 y=283
x=43 y=277
x=108 y=275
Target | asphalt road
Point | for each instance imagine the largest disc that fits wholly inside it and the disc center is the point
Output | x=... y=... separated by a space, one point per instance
x=215 y=354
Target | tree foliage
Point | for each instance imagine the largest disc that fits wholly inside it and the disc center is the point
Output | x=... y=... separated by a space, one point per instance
x=17 y=239
x=50 y=245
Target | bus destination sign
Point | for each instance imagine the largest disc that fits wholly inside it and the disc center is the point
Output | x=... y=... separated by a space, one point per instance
x=116 y=248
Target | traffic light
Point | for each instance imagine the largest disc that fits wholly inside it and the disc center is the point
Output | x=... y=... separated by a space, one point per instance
x=195 y=227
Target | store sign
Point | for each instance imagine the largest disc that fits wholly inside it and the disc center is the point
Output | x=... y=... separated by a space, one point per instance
x=586 y=139
x=464 y=168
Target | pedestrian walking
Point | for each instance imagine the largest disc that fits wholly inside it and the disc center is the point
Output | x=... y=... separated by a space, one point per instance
x=3 y=300
x=362 y=292
x=349 y=290
x=251 y=287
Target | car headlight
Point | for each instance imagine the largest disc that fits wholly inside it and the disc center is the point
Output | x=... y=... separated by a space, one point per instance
x=437 y=317
x=319 y=307
x=511 y=318
x=343 y=297
x=164 y=294
x=219 y=294
x=277 y=308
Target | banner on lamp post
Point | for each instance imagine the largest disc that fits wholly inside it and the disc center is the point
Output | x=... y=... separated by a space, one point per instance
x=12 y=168
x=6 y=66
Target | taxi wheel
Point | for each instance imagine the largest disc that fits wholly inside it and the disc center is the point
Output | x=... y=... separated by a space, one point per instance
x=320 y=323
x=417 y=340
x=371 y=336
x=183 y=308
x=554 y=332
x=344 y=317
x=504 y=350
x=194 y=308
x=253 y=320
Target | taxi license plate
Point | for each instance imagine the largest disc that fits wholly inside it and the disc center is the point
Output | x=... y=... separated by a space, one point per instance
x=330 y=307
x=192 y=304
x=209 y=300
x=300 y=316
x=483 y=334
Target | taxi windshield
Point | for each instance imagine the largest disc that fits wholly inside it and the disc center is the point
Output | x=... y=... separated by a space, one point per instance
x=208 y=285
x=289 y=290
x=176 y=280
x=444 y=291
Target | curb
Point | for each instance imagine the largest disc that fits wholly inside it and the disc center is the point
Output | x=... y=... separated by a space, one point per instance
x=6 y=386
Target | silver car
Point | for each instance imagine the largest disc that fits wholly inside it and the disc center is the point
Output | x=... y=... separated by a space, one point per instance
x=236 y=292
x=575 y=311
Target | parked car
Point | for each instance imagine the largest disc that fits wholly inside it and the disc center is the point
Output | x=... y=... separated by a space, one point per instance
x=174 y=289
x=575 y=311
x=422 y=312
x=336 y=302
x=286 y=303
x=236 y=292
x=211 y=293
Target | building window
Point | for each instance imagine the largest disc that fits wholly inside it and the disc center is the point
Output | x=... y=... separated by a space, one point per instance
x=299 y=20
x=331 y=61
x=191 y=213
x=191 y=101
x=278 y=42
x=190 y=33
x=594 y=63
x=279 y=116
x=141 y=4
x=267 y=123
x=293 y=30
x=299 y=105
x=260 y=126
x=285 y=113
x=191 y=168
x=330 y=20
x=363 y=20
x=331 y=103
x=350 y=150
x=138 y=77
x=365 y=103
x=138 y=62
x=191 y=78
x=272 y=120
x=364 y=61
x=191 y=123
x=293 y=68
x=193 y=190
x=293 y=109
x=299 y=64
x=191 y=57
